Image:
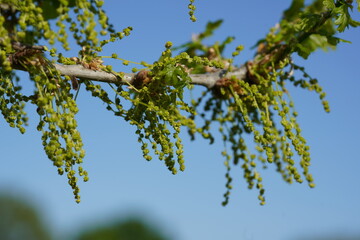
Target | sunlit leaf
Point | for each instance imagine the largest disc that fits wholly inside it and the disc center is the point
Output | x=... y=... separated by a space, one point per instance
x=293 y=11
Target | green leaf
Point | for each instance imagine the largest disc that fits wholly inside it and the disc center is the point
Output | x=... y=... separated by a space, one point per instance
x=335 y=40
x=210 y=28
x=307 y=22
x=315 y=41
x=358 y=3
x=319 y=41
x=293 y=11
x=50 y=7
x=343 y=19
x=227 y=41
x=329 y=4
x=354 y=23
x=302 y=51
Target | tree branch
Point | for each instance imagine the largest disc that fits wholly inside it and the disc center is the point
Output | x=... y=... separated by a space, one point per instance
x=208 y=80
x=84 y=73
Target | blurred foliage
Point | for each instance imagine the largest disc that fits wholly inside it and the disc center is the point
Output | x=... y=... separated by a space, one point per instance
x=131 y=229
x=20 y=221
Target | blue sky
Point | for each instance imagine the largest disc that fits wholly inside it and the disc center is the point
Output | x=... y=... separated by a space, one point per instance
x=187 y=206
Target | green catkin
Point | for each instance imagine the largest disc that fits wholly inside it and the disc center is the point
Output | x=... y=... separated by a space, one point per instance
x=192 y=8
x=55 y=104
x=258 y=106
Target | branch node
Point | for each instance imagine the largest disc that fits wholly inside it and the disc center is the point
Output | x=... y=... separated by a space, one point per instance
x=141 y=79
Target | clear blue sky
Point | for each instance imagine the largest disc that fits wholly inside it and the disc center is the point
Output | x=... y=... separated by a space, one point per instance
x=187 y=206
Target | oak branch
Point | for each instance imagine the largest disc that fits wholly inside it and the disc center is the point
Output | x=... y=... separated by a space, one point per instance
x=208 y=79
x=79 y=71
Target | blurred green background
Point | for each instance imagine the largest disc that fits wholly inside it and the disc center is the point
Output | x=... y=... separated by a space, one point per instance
x=20 y=219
